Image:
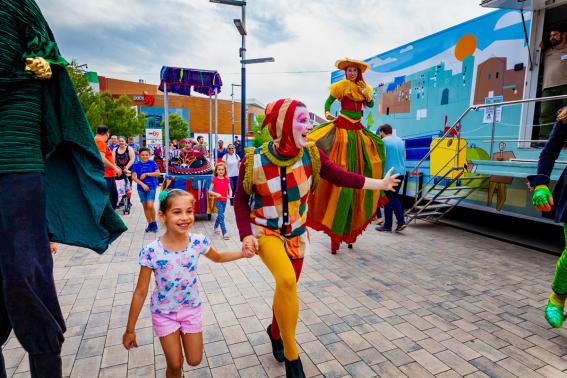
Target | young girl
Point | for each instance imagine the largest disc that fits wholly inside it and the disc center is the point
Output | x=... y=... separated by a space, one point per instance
x=145 y=173
x=220 y=190
x=175 y=303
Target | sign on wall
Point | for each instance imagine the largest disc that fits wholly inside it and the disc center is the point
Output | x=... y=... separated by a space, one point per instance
x=154 y=134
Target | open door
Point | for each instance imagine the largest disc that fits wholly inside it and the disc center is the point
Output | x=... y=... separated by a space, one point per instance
x=539 y=15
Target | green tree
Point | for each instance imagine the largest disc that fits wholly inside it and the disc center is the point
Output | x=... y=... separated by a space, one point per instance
x=103 y=109
x=84 y=89
x=261 y=136
x=177 y=128
x=116 y=113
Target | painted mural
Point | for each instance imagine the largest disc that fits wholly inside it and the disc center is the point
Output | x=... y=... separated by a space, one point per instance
x=422 y=87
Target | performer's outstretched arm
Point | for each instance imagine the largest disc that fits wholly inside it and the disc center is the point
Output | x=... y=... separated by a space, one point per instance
x=340 y=177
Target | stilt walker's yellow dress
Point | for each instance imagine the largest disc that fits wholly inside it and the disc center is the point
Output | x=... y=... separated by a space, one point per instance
x=344 y=213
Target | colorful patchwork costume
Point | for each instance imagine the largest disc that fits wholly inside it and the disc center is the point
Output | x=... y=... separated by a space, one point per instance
x=344 y=213
x=271 y=203
x=543 y=200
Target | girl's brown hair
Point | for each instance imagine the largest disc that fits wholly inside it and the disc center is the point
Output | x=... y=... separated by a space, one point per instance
x=167 y=196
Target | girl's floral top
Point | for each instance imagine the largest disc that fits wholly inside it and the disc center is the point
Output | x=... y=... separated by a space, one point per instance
x=175 y=273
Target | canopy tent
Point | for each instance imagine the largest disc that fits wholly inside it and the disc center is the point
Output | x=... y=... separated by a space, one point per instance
x=180 y=81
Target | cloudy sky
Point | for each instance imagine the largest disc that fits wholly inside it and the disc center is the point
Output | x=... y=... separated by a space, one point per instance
x=132 y=39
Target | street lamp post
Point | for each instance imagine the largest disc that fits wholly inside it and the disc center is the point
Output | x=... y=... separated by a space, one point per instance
x=232 y=97
x=241 y=26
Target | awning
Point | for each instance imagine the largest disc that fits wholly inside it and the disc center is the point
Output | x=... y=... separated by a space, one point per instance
x=180 y=80
x=527 y=5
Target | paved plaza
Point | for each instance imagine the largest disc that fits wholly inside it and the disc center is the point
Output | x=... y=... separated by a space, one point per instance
x=431 y=301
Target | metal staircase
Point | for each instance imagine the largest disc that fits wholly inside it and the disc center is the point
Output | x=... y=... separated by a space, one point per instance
x=450 y=185
x=447 y=187
x=445 y=193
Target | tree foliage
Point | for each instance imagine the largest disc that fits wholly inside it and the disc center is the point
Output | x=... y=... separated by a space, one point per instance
x=84 y=90
x=261 y=136
x=117 y=114
x=177 y=127
x=103 y=109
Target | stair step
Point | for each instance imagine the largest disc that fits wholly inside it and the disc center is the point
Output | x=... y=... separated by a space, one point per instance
x=434 y=206
x=423 y=214
x=473 y=178
x=444 y=198
x=457 y=188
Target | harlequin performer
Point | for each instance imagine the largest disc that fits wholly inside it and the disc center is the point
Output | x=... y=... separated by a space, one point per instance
x=344 y=213
x=51 y=184
x=543 y=200
x=271 y=209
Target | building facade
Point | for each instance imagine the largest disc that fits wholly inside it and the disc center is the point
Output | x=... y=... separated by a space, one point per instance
x=198 y=112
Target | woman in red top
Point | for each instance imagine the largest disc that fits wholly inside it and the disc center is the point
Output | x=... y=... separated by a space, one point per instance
x=220 y=190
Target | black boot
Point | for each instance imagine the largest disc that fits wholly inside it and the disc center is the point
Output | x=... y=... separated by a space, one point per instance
x=277 y=346
x=349 y=246
x=294 y=369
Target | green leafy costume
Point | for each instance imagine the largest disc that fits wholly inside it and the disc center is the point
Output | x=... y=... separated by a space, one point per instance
x=544 y=200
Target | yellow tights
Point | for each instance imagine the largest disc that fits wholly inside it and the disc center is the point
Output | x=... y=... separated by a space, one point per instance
x=286 y=303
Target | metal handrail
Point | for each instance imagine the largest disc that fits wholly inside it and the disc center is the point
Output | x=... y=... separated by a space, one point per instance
x=457 y=123
x=476 y=108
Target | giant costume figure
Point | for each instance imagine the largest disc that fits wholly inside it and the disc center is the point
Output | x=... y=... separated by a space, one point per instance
x=51 y=183
x=543 y=200
x=274 y=184
x=344 y=213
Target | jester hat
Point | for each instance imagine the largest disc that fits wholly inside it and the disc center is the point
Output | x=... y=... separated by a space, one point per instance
x=279 y=119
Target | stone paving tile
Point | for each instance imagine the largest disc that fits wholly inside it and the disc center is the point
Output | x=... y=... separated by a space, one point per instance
x=413 y=304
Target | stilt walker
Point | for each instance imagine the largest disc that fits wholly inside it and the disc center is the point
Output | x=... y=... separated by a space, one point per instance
x=543 y=200
x=344 y=213
x=274 y=184
x=51 y=184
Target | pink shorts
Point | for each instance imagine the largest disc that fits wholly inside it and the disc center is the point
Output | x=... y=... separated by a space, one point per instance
x=188 y=319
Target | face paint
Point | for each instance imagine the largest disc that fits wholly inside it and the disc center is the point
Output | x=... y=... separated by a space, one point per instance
x=301 y=126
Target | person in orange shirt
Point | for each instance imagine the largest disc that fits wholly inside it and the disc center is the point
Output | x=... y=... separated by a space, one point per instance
x=111 y=170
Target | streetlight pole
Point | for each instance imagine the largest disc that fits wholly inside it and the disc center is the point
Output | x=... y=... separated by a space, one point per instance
x=243 y=81
x=241 y=26
x=232 y=96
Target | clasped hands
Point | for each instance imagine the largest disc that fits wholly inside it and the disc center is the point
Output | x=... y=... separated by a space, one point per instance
x=249 y=246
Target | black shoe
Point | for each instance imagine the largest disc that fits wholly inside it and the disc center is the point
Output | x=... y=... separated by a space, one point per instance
x=349 y=246
x=382 y=228
x=400 y=227
x=277 y=346
x=294 y=369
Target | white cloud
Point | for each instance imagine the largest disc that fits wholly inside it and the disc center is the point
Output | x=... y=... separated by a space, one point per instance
x=510 y=18
x=406 y=49
x=375 y=62
x=132 y=39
